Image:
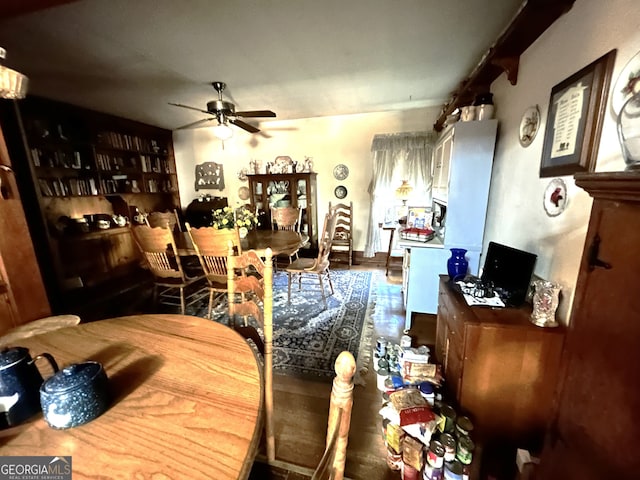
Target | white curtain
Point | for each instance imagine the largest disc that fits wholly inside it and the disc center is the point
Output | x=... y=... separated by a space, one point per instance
x=405 y=156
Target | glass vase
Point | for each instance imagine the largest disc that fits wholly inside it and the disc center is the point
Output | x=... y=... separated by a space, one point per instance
x=629 y=132
x=545 y=303
x=457 y=264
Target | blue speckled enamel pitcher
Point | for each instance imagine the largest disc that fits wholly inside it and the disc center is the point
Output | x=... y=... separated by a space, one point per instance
x=20 y=382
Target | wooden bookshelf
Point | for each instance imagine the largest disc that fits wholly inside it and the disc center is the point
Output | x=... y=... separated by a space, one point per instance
x=73 y=162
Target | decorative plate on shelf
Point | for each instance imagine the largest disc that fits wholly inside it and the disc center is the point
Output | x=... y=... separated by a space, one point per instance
x=340 y=191
x=555 y=197
x=340 y=172
x=529 y=125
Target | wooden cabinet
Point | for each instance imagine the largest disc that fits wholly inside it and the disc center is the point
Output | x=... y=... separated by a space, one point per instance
x=595 y=430
x=499 y=368
x=72 y=163
x=463 y=160
x=294 y=189
x=22 y=293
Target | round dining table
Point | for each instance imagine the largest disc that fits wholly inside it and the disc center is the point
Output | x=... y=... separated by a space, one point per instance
x=186 y=400
x=279 y=241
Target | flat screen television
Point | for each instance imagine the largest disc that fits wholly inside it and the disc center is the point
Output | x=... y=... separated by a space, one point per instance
x=509 y=270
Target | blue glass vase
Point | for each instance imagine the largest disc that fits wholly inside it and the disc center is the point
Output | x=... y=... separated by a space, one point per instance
x=457 y=264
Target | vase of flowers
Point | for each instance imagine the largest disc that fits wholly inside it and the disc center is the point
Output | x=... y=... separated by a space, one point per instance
x=241 y=218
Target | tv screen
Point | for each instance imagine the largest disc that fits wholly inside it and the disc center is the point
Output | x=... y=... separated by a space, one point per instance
x=509 y=270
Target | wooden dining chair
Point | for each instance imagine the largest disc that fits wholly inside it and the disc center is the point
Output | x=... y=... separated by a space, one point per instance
x=163 y=219
x=342 y=243
x=171 y=286
x=211 y=246
x=331 y=466
x=287 y=218
x=315 y=269
x=240 y=304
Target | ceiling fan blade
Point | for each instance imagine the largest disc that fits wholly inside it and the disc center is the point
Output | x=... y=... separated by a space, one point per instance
x=256 y=113
x=243 y=125
x=190 y=108
x=196 y=124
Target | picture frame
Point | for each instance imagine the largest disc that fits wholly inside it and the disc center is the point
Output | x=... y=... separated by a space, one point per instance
x=419 y=217
x=574 y=119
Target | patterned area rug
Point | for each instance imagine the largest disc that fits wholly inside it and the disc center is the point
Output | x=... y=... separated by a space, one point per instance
x=306 y=337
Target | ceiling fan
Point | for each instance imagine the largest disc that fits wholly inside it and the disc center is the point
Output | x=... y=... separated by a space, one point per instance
x=224 y=112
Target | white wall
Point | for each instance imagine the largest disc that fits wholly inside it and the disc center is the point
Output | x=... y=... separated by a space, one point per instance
x=515 y=214
x=328 y=140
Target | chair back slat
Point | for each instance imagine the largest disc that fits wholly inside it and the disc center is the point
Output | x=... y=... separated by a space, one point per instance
x=331 y=466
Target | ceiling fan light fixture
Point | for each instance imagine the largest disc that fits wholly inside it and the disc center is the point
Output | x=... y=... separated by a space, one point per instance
x=12 y=84
x=223 y=131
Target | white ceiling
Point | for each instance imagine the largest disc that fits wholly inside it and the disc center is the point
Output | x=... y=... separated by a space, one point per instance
x=299 y=58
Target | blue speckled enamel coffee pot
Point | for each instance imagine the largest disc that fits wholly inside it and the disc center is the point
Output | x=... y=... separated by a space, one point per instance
x=20 y=382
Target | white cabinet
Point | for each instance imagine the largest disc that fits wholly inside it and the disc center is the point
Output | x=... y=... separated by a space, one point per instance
x=463 y=160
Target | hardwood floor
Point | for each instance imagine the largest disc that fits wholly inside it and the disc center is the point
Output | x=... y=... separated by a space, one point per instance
x=301 y=406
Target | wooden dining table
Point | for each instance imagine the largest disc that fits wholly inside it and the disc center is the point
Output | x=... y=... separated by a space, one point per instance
x=186 y=400
x=280 y=241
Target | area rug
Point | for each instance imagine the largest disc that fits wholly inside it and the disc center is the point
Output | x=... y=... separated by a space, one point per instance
x=306 y=337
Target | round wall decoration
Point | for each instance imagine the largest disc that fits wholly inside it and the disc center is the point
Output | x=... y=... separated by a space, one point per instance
x=244 y=193
x=529 y=125
x=340 y=191
x=555 y=197
x=340 y=172
x=242 y=174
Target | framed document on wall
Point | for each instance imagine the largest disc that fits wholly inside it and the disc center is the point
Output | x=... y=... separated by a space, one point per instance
x=574 y=119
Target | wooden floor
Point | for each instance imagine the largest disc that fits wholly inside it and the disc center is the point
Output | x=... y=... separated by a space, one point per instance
x=301 y=407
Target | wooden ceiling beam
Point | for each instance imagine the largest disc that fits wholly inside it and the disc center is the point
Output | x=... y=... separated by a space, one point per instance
x=533 y=18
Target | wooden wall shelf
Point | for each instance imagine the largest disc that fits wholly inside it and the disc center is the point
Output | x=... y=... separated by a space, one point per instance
x=533 y=18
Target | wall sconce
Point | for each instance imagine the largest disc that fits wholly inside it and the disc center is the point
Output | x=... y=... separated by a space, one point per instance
x=403 y=191
x=12 y=84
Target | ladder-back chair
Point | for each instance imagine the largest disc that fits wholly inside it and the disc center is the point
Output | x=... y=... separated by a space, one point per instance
x=331 y=466
x=342 y=243
x=251 y=264
x=318 y=267
x=159 y=251
x=211 y=246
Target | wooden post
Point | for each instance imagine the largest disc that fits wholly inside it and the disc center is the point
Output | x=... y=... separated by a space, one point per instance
x=268 y=354
x=341 y=403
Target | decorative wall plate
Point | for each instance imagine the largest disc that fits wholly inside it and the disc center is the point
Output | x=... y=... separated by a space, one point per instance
x=529 y=125
x=340 y=191
x=244 y=193
x=627 y=84
x=555 y=197
x=340 y=172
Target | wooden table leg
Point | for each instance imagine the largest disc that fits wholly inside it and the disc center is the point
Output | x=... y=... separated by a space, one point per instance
x=393 y=231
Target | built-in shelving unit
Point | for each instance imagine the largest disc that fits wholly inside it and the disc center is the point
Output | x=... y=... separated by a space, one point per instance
x=72 y=164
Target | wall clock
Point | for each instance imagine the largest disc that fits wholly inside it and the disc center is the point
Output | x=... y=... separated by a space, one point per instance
x=340 y=172
x=529 y=125
x=340 y=191
x=555 y=197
